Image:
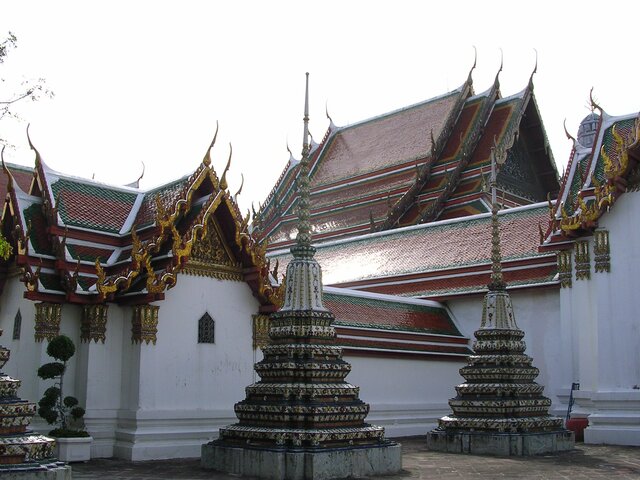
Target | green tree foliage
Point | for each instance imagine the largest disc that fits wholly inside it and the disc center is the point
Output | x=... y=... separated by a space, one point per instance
x=54 y=407
x=13 y=94
x=16 y=92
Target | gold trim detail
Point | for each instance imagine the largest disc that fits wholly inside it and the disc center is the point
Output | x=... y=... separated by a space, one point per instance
x=583 y=260
x=564 y=268
x=260 y=331
x=47 y=321
x=144 y=324
x=212 y=257
x=251 y=263
x=617 y=166
x=93 y=325
x=601 y=251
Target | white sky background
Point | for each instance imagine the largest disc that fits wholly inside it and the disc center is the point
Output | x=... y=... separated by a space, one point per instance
x=146 y=80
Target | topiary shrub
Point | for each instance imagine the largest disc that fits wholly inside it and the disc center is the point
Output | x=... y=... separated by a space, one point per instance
x=54 y=407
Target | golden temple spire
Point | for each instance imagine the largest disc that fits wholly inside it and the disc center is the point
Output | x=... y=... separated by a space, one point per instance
x=497 y=281
x=303 y=238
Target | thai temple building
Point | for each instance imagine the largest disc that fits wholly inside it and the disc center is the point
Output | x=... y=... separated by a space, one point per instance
x=167 y=292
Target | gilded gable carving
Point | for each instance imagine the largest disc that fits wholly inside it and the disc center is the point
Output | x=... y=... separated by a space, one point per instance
x=212 y=257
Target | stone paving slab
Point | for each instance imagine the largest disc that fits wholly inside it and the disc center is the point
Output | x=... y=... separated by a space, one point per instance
x=585 y=462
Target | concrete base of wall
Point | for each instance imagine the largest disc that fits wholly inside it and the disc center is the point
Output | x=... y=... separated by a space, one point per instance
x=45 y=471
x=500 y=444
x=303 y=464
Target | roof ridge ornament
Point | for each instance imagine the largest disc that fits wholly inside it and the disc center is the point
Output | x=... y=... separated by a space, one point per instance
x=535 y=70
x=566 y=132
x=592 y=103
x=207 y=156
x=235 y=197
x=326 y=111
x=10 y=181
x=141 y=175
x=223 y=180
x=473 y=67
x=32 y=146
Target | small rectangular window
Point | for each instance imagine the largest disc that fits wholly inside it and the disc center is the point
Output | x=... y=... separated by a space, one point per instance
x=206 y=329
x=17 y=325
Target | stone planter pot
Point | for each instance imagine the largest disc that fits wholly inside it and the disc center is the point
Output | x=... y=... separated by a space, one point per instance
x=73 y=449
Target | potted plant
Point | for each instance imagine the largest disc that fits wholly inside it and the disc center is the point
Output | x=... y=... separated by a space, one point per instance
x=72 y=440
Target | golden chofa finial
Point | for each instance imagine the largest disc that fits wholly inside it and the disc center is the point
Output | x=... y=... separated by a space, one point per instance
x=32 y=146
x=223 y=180
x=6 y=171
x=473 y=67
x=207 y=156
x=235 y=197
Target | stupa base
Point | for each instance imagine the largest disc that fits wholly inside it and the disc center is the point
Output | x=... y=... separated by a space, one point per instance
x=500 y=444
x=36 y=471
x=303 y=464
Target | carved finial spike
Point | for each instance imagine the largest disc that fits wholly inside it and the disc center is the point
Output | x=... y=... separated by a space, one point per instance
x=223 y=181
x=566 y=132
x=207 y=156
x=235 y=197
x=32 y=146
x=593 y=103
x=141 y=175
x=535 y=68
x=326 y=111
x=6 y=170
x=540 y=232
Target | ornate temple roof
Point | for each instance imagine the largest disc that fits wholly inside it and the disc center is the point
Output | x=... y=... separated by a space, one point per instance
x=82 y=241
x=438 y=259
x=387 y=325
x=416 y=165
x=595 y=177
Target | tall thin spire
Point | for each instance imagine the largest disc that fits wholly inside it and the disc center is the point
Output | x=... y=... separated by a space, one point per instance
x=303 y=239
x=497 y=281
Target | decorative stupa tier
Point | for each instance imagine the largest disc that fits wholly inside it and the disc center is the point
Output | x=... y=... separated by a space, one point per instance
x=20 y=449
x=500 y=409
x=302 y=420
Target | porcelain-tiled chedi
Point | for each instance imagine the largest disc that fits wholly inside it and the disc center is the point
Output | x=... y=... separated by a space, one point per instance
x=18 y=445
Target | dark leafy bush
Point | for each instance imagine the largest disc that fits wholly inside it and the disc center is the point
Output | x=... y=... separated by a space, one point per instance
x=61 y=348
x=55 y=408
x=68 y=433
x=51 y=370
x=70 y=401
x=77 y=412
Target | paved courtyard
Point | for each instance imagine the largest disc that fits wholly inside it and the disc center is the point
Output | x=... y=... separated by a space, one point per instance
x=586 y=462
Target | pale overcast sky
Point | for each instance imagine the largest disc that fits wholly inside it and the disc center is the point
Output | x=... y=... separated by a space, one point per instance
x=146 y=80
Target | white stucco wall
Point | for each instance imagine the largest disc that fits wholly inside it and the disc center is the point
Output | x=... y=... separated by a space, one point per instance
x=406 y=396
x=177 y=393
x=603 y=313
